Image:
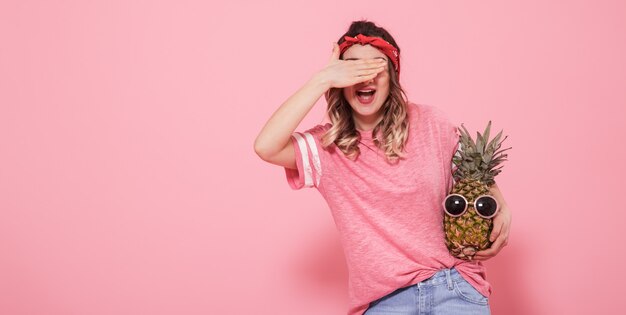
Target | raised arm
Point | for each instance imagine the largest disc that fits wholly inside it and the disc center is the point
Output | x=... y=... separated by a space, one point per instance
x=273 y=142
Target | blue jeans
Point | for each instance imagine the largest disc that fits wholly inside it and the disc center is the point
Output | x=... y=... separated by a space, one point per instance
x=446 y=292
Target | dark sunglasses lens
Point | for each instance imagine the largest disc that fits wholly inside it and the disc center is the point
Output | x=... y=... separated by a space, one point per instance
x=486 y=206
x=455 y=205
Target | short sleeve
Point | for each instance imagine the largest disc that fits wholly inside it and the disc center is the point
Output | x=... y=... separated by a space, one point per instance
x=310 y=158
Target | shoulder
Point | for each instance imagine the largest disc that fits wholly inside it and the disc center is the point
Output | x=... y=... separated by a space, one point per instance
x=437 y=112
x=430 y=113
x=315 y=133
x=313 y=138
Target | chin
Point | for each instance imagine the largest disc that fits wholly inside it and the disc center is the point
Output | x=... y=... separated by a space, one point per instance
x=377 y=103
x=366 y=110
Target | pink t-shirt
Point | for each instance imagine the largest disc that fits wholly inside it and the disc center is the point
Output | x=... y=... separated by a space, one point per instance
x=389 y=216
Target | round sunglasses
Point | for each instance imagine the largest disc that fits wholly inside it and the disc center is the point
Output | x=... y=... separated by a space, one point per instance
x=486 y=206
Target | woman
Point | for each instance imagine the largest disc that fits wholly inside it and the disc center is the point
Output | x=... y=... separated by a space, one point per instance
x=383 y=165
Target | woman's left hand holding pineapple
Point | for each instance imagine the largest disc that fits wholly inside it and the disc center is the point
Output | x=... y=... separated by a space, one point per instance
x=501 y=226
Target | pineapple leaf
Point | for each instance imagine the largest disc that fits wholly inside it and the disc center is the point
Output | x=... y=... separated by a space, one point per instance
x=486 y=133
x=477 y=160
x=502 y=151
x=496 y=139
x=479 y=142
x=468 y=139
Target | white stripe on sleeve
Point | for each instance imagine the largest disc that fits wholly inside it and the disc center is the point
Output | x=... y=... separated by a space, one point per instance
x=316 y=157
x=304 y=153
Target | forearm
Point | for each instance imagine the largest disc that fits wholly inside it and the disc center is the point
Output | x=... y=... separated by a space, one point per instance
x=278 y=129
x=497 y=194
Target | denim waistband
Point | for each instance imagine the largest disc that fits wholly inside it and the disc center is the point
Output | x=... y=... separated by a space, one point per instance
x=442 y=276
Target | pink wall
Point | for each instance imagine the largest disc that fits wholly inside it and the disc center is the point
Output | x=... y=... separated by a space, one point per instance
x=129 y=183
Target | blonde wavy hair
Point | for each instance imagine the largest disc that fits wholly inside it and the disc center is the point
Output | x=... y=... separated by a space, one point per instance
x=394 y=125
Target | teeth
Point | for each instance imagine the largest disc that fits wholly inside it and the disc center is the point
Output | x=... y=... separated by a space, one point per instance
x=366 y=90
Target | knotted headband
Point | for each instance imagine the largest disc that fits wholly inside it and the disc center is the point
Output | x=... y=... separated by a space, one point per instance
x=381 y=44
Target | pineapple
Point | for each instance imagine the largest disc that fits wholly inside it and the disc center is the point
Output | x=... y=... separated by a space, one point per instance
x=474 y=174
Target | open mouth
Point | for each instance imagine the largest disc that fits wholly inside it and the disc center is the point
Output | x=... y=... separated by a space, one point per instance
x=365 y=96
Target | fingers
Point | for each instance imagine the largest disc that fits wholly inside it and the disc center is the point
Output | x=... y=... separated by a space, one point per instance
x=335 y=54
x=365 y=64
x=495 y=248
x=368 y=72
x=485 y=254
x=351 y=72
x=364 y=78
x=369 y=67
x=497 y=228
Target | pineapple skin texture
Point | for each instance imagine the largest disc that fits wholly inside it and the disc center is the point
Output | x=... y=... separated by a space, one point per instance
x=468 y=233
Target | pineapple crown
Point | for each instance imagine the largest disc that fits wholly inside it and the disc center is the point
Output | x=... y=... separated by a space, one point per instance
x=478 y=160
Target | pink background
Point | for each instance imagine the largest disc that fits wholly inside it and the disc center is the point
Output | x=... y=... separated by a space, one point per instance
x=129 y=183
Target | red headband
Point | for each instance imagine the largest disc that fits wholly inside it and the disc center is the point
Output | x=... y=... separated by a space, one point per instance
x=377 y=42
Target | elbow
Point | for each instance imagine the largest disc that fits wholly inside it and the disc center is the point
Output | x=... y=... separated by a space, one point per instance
x=260 y=150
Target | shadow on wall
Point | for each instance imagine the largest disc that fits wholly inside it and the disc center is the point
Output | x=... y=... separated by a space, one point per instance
x=508 y=275
x=320 y=267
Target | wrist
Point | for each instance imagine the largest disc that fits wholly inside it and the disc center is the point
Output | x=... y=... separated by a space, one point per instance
x=320 y=81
